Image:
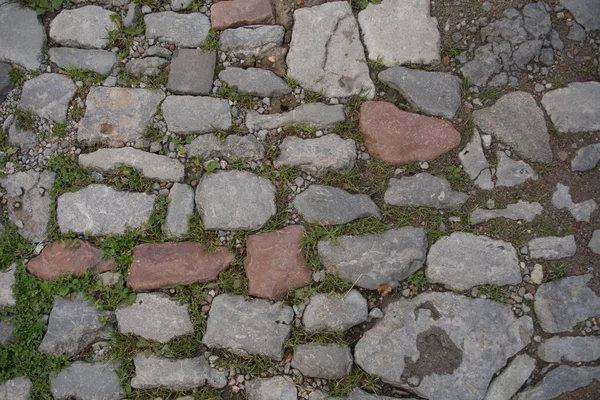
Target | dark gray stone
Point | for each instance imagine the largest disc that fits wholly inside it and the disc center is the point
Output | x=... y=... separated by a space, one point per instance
x=248 y=327
x=255 y=81
x=527 y=52
x=576 y=33
x=561 y=380
x=23 y=36
x=84 y=27
x=25 y=140
x=87 y=381
x=328 y=205
x=192 y=71
x=148 y=66
x=335 y=312
x=508 y=29
x=586 y=158
x=183 y=30
x=428 y=343
x=375 y=259
x=196 y=114
x=572 y=349
x=100 y=61
x=209 y=146
x=73 y=326
x=330 y=361
x=482 y=67
x=511 y=173
x=423 y=190
x=586 y=12
x=5 y=83
x=575 y=108
x=536 y=19
x=48 y=96
x=594 y=243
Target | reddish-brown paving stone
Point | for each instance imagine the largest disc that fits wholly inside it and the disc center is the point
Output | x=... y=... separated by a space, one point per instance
x=68 y=257
x=236 y=13
x=399 y=137
x=275 y=263
x=166 y=265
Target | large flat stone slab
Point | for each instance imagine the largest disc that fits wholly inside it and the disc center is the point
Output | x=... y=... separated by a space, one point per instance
x=330 y=361
x=48 y=96
x=194 y=114
x=511 y=172
x=235 y=200
x=255 y=81
x=66 y=257
x=516 y=120
x=28 y=202
x=575 y=108
x=235 y=13
x=399 y=137
x=561 y=380
x=586 y=158
x=117 y=115
x=317 y=156
x=182 y=374
x=192 y=71
x=23 y=36
x=573 y=349
x=587 y=12
x=435 y=93
x=248 y=327
x=166 y=265
x=150 y=165
x=375 y=259
x=90 y=381
x=179 y=210
x=335 y=312
x=315 y=115
x=154 y=316
x=86 y=27
x=328 y=205
x=428 y=343
x=100 y=61
x=252 y=40
x=73 y=325
x=326 y=54
x=561 y=304
x=464 y=260
x=183 y=30
x=102 y=210
x=208 y=146
x=423 y=190
x=401 y=31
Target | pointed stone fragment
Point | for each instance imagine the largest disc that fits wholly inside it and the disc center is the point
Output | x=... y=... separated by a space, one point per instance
x=521 y=210
x=475 y=164
x=179 y=210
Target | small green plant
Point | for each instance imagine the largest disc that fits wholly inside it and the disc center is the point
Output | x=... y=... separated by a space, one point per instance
x=69 y=174
x=555 y=272
x=123 y=37
x=557 y=82
x=17 y=76
x=77 y=112
x=589 y=70
x=492 y=292
x=60 y=130
x=211 y=166
x=417 y=279
x=489 y=94
x=362 y=4
x=242 y=100
x=291 y=82
x=212 y=41
x=376 y=63
x=197 y=6
x=356 y=378
x=88 y=78
x=152 y=133
x=130 y=179
x=310 y=96
x=451 y=48
x=43 y=6
x=457 y=177
x=25 y=119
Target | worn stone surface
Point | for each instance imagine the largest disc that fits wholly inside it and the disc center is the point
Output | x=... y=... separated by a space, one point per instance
x=586 y=158
x=315 y=115
x=335 y=312
x=464 y=260
x=375 y=259
x=235 y=200
x=317 y=156
x=401 y=31
x=594 y=243
x=511 y=379
x=180 y=5
x=587 y=12
x=560 y=305
x=516 y=120
x=399 y=137
x=73 y=325
x=275 y=388
x=561 y=380
x=89 y=381
x=435 y=93
x=84 y=27
x=512 y=173
x=195 y=114
x=24 y=139
x=552 y=248
x=330 y=361
x=28 y=202
x=15 y=389
x=150 y=165
x=357 y=394
x=326 y=54
x=580 y=211
x=328 y=205
x=117 y=115
x=5 y=83
x=7 y=280
x=48 y=96
x=252 y=40
x=236 y=13
x=248 y=327
x=573 y=349
x=166 y=265
x=154 y=316
x=148 y=66
x=575 y=108
x=183 y=30
x=102 y=210
x=179 y=210
x=275 y=264
x=100 y=61
x=23 y=36
x=192 y=71
x=423 y=190
x=521 y=210
x=483 y=66
x=475 y=164
x=178 y=374
x=209 y=146
x=69 y=257
x=255 y=81
x=430 y=342
x=7 y=333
